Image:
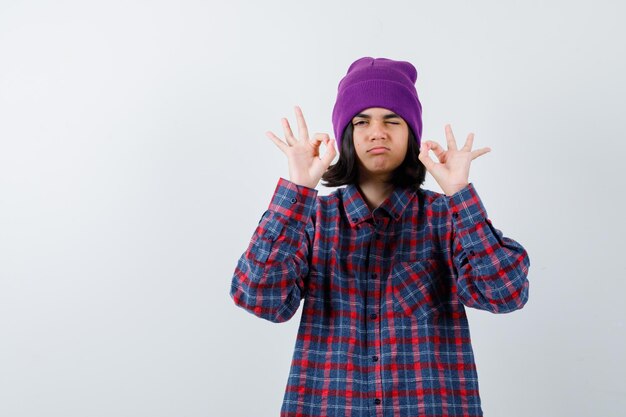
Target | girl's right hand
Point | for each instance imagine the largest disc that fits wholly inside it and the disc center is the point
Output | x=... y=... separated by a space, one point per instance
x=305 y=165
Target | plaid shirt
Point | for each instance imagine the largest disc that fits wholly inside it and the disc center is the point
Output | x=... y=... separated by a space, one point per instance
x=383 y=330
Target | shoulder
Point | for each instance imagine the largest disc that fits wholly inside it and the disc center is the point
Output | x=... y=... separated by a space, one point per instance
x=434 y=203
x=429 y=197
x=331 y=200
x=432 y=197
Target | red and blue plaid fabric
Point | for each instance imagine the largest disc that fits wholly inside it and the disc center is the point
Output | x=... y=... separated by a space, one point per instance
x=383 y=330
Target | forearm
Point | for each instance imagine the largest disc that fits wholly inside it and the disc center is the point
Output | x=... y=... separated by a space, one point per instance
x=270 y=275
x=491 y=269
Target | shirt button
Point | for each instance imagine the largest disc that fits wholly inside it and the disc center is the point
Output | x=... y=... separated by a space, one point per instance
x=293 y=200
x=471 y=252
x=377 y=401
x=375 y=358
x=373 y=316
x=355 y=219
x=455 y=215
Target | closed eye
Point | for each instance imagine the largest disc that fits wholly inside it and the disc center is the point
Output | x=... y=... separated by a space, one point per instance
x=364 y=122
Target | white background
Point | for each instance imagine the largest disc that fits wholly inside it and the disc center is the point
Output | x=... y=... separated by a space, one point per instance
x=134 y=169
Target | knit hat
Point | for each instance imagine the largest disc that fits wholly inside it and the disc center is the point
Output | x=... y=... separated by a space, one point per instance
x=378 y=82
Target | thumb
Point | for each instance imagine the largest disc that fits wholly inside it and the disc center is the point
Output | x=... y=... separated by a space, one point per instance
x=330 y=153
x=425 y=157
x=318 y=138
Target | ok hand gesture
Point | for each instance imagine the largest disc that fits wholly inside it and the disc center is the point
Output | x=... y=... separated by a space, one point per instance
x=306 y=167
x=452 y=171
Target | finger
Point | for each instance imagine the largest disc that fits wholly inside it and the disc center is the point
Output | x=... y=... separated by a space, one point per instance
x=291 y=140
x=318 y=138
x=450 y=138
x=479 y=152
x=303 y=131
x=317 y=143
x=436 y=148
x=468 y=142
x=425 y=158
x=281 y=145
x=330 y=153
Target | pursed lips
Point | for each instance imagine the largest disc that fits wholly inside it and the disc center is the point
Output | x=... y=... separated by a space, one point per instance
x=378 y=147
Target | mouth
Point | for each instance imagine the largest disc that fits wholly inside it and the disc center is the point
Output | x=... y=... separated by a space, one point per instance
x=378 y=149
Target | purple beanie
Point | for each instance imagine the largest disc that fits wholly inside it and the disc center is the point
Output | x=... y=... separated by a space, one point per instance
x=378 y=82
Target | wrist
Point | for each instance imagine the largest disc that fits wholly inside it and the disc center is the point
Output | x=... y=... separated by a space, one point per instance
x=303 y=183
x=453 y=189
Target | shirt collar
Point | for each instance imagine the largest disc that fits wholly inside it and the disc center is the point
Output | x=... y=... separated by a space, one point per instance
x=357 y=210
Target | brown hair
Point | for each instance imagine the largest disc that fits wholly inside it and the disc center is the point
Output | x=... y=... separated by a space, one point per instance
x=410 y=173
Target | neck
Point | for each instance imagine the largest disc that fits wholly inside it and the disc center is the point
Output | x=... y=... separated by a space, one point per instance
x=375 y=190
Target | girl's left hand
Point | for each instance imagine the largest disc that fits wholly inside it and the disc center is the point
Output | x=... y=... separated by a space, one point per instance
x=452 y=170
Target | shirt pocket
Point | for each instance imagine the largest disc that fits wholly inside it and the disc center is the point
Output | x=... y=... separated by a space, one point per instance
x=416 y=291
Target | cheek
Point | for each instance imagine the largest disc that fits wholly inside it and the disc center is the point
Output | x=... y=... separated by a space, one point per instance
x=402 y=154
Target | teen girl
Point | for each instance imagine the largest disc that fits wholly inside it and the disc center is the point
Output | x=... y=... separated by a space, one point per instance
x=385 y=268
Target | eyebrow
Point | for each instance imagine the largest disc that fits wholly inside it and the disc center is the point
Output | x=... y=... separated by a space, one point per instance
x=385 y=117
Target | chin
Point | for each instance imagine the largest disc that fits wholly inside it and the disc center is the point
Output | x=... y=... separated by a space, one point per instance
x=378 y=172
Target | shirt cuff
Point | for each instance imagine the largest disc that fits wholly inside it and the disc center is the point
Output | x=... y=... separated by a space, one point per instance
x=466 y=208
x=292 y=200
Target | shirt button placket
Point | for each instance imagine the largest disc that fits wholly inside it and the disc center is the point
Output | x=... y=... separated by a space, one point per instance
x=373 y=325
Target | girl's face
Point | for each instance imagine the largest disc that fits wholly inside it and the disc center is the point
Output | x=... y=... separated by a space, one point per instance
x=380 y=140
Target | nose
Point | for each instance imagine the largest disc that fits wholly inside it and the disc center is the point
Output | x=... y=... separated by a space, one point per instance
x=377 y=130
